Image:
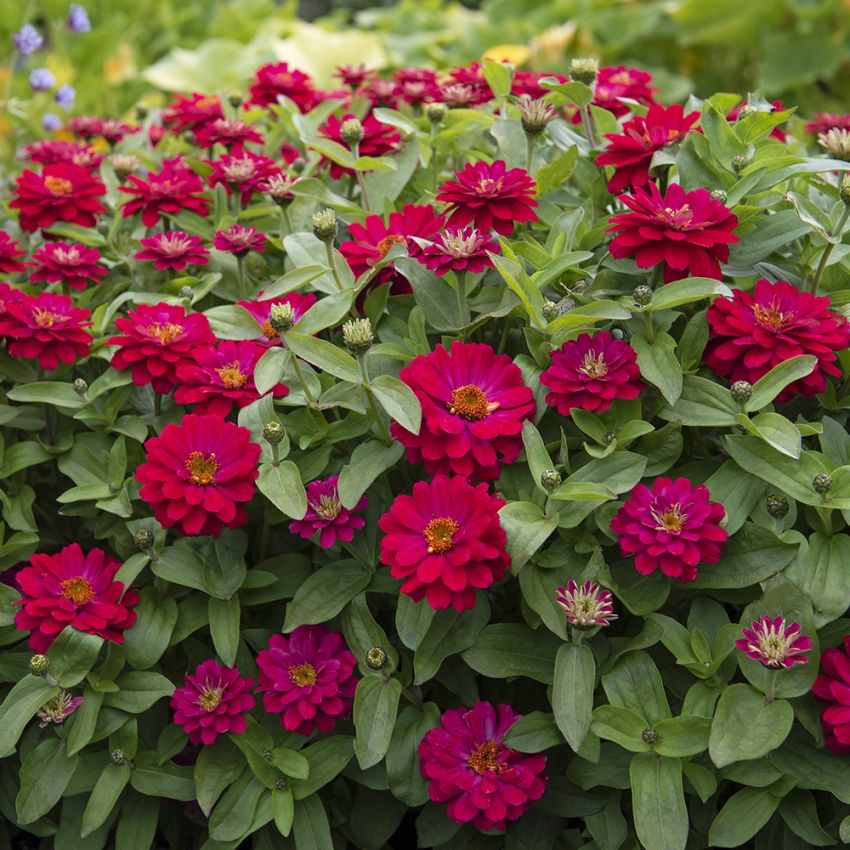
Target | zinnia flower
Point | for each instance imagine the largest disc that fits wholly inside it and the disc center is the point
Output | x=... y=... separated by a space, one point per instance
x=244 y=172
x=631 y=151
x=468 y=765
x=528 y=83
x=92 y=127
x=459 y=249
x=76 y=589
x=445 y=542
x=615 y=85
x=473 y=405
x=199 y=474
x=471 y=77
x=825 y=121
x=775 y=106
x=272 y=81
x=353 y=76
x=673 y=527
x=61 y=192
x=189 y=113
x=239 y=240
x=57 y=710
x=165 y=192
x=833 y=686
x=261 y=311
x=173 y=249
x=590 y=372
x=775 y=643
x=221 y=376
x=227 y=132
x=47 y=328
x=326 y=515
x=213 y=701
x=492 y=197
x=308 y=678
x=10 y=250
x=69 y=263
x=51 y=151
x=689 y=232
x=752 y=332
x=378 y=139
x=156 y=339
x=586 y=605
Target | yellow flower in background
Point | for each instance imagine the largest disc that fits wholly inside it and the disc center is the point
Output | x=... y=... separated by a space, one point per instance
x=516 y=54
x=121 y=65
x=552 y=44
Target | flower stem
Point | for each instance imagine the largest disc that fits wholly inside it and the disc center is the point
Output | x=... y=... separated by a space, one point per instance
x=587 y=120
x=462 y=306
x=576 y=635
x=379 y=421
x=529 y=148
x=361 y=181
x=240 y=271
x=650 y=328
x=839 y=228
x=770 y=694
x=503 y=339
x=301 y=379
x=287 y=219
x=329 y=251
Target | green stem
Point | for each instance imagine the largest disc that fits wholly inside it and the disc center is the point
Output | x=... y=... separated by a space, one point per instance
x=828 y=249
x=770 y=691
x=576 y=636
x=301 y=379
x=650 y=328
x=287 y=219
x=588 y=126
x=529 y=148
x=379 y=420
x=240 y=271
x=361 y=182
x=157 y=403
x=503 y=339
x=462 y=306
x=276 y=452
x=329 y=251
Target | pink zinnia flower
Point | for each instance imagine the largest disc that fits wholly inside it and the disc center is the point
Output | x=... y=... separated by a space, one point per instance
x=10 y=250
x=227 y=132
x=261 y=309
x=49 y=151
x=244 y=172
x=468 y=765
x=752 y=332
x=325 y=514
x=833 y=686
x=173 y=188
x=239 y=240
x=189 y=113
x=277 y=79
x=672 y=527
x=77 y=589
x=173 y=249
x=459 y=249
x=308 y=678
x=353 y=76
x=586 y=605
x=378 y=139
x=64 y=262
x=91 y=126
x=590 y=373
x=825 y=121
x=615 y=85
x=213 y=701
x=199 y=475
x=492 y=197
x=528 y=83
x=688 y=232
x=57 y=710
x=775 y=643
x=471 y=77
x=473 y=402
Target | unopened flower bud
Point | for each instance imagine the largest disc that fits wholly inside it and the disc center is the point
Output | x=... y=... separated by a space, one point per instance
x=822 y=483
x=235 y=99
x=185 y=292
x=376 y=658
x=298 y=164
x=268 y=754
x=282 y=317
x=357 y=336
x=143 y=539
x=650 y=736
x=777 y=506
x=746 y=110
x=119 y=757
x=550 y=310
x=280 y=784
x=844 y=192
x=550 y=479
x=273 y=432
x=642 y=295
x=719 y=195
x=617 y=333
x=324 y=225
x=39 y=665
x=535 y=114
x=579 y=286
x=741 y=391
x=436 y=112
x=351 y=132
x=141 y=112
x=80 y=386
x=609 y=437
x=740 y=162
x=584 y=70
x=124 y=163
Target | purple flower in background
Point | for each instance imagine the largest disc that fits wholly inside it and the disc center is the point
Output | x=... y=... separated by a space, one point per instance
x=27 y=40
x=51 y=122
x=41 y=79
x=78 y=19
x=65 y=97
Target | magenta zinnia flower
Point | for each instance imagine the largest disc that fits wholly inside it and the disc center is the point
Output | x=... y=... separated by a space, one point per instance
x=378 y=139
x=586 y=605
x=50 y=151
x=468 y=765
x=77 y=589
x=445 y=541
x=57 y=710
x=775 y=643
x=308 y=678
x=245 y=172
x=261 y=309
x=673 y=527
x=590 y=372
x=752 y=332
x=326 y=515
x=492 y=197
x=614 y=86
x=227 y=132
x=459 y=249
x=277 y=79
x=173 y=188
x=63 y=262
x=239 y=240
x=825 y=121
x=173 y=249
x=10 y=250
x=213 y=701
x=189 y=113
x=473 y=402
x=833 y=686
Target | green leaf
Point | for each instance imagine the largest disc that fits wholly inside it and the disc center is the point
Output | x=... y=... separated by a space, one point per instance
x=324 y=355
x=232 y=322
x=224 y=627
x=26 y=697
x=405 y=781
x=527 y=529
x=375 y=707
x=658 y=364
x=536 y=454
x=703 y=403
x=325 y=593
x=233 y=814
x=745 y=727
x=45 y=773
x=325 y=313
x=555 y=173
x=658 y=802
x=368 y=461
x=813 y=767
x=283 y=810
x=533 y=733
x=57 y=393
x=498 y=77
x=770 y=385
x=771 y=232
x=686 y=291
x=138 y=691
x=621 y=726
x=800 y=813
x=579 y=93
x=742 y=816
x=775 y=430
x=150 y=635
x=399 y=401
x=683 y=736
x=282 y=486
x=635 y=683
x=104 y=796
x=823 y=575
x=291 y=762
x=137 y=824
x=572 y=692
x=72 y=655
x=449 y=632
x=217 y=766
x=503 y=650
x=310 y=828
x=327 y=757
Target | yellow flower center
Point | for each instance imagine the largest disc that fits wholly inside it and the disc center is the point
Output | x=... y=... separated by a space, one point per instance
x=386 y=244
x=45 y=318
x=165 y=332
x=302 y=675
x=231 y=376
x=58 y=185
x=672 y=520
x=771 y=316
x=268 y=331
x=593 y=366
x=78 y=590
x=439 y=534
x=210 y=698
x=486 y=757
x=202 y=468
x=679 y=219
x=470 y=402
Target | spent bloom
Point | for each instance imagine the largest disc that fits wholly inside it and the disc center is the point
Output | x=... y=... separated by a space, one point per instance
x=774 y=642
x=27 y=40
x=326 y=515
x=55 y=711
x=586 y=605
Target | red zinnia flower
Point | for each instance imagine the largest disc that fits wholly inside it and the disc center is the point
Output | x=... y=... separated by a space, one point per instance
x=631 y=151
x=776 y=106
x=473 y=405
x=354 y=76
x=472 y=78
x=380 y=92
x=490 y=196
x=689 y=232
x=10 y=295
x=173 y=188
x=157 y=339
x=244 y=172
x=590 y=372
x=308 y=678
x=73 y=589
x=775 y=643
x=613 y=84
x=752 y=332
x=189 y=113
x=826 y=121
x=198 y=474
x=213 y=701
x=49 y=151
x=378 y=139
x=110 y=129
x=528 y=82
x=61 y=192
x=326 y=514
x=469 y=766
x=221 y=376
x=227 y=132
x=239 y=240
x=445 y=542
x=173 y=249
x=47 y=327
x=261 y=310
x=74 y=264
x=416 y=85
x=673 y=526
x=459 y=249
x=277 y=79
x=10 y=250
x=833 y=686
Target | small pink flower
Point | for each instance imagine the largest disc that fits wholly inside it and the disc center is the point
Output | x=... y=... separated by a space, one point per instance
x=775 y=643
x=586 y=605
x=239 y=240
x=59 y=708
x=326 y=514
x=64 y=262
x=173 y=250
x=459 y=249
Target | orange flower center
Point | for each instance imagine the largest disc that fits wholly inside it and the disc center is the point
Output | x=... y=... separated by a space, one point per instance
x=78 y=590
x=231 y=376
x=470 y=402
x=45 y=318
x=165 y=332
x=71 y=255
x=593 y=366
x=386 y=244
x=679 y=219
x=771 y=316
x=488 y=185
x=672 y=520
x=209 y=100
x=486 y=757
x=439 y=534
x=202 y=468
x=268 y=331
x=302 y=675
x=210 y=698
x=58 y=185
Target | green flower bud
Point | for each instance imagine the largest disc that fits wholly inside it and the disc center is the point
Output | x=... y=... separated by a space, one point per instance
x=550 y=310
x=719 y=195
x=80 y=386
x=357 y=336
x=741 y=391
x=280 y=784
x=609 y=437
x=822 y=483
x=650 y=736
x=143 y=539
x=747 y=109
x=436 y=112
x=185 y=292
x=118 y=756
x=273 y=432
x=235 y=99
x=739 y=163
x=844 y=192
x=39 y=665
x=777 y=506
x=268 y=755
x=535 y=114
x=550 y=479
x=376 y=658
x=351 y=132
x=584 y=70
x=324 y=225
x=282 y=317
x=642 y=295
